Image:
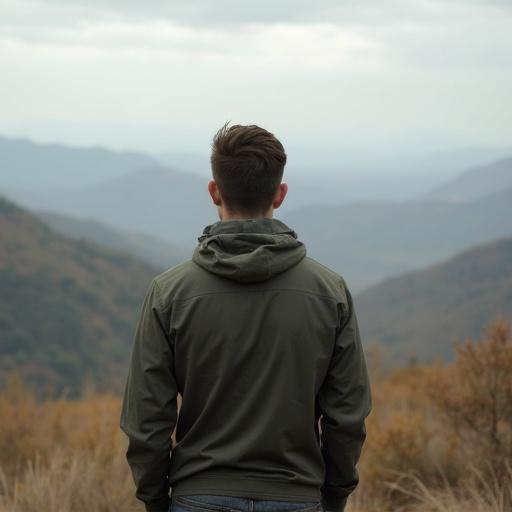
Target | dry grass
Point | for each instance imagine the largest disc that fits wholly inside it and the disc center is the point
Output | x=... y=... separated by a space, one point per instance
x=79 y=482
x=476 y=493
x=63 y=456
x=424 y=451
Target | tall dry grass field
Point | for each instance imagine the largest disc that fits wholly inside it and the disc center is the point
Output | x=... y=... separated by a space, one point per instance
x=63 y=455
x=439 y=440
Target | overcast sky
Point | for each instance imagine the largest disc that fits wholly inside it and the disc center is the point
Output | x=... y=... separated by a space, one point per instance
x=164 y=75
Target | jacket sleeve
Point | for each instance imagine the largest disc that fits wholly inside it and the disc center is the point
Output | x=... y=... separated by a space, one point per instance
x=149 y=408
x=344 y=400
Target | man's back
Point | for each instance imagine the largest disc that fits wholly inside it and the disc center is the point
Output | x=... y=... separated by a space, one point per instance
x=261 y=341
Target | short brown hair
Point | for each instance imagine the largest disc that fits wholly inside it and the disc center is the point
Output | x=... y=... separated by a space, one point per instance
x=247 y=165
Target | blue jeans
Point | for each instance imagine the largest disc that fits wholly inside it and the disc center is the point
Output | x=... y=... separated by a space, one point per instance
x=214 y=503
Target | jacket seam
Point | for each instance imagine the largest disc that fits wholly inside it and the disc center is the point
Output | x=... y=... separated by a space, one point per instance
x=330 y=270
x=350 y=310
x=271 y=494
x=237 y=477
x=158 y=296
x=330 y=297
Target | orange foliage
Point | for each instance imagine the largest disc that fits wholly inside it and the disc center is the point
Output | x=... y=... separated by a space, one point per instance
x=434 y=422
x=473 y=396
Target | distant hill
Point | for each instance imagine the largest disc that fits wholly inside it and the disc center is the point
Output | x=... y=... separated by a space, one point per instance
x=26 y=165
x=169 y=204
x=67 y=308
x=368 y=241
x=421 y=313
x=53 y=176
x=156 y=252
x=475 y=183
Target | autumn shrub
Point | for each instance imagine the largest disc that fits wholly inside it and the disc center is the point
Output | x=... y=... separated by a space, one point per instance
x=432 y=423
x=451 y=451
x=401 y=438
x=473 y=399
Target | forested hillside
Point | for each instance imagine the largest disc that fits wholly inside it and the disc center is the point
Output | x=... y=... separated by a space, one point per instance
x=421 y=312
x=155 y=251
x=67 y=308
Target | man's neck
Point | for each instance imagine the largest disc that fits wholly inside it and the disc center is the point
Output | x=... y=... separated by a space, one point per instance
x=240 y=216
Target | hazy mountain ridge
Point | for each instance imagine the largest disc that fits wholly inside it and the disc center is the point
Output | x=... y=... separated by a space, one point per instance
x=421 y=313
x=159 y=201
x=476 y=182
x=148 y=248
x=26 y=165
x=367 y=241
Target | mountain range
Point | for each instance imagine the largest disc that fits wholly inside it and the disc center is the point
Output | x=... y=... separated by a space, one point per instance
x=369 y=241
x=82 y=232
x=366 y=240
x=68 y=306
x=29 y=166
x=476 y=182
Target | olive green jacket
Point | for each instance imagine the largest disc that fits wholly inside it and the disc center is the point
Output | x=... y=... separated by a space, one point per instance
x=263 y=345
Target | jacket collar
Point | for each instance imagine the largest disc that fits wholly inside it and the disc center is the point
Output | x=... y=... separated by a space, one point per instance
x=256 y=225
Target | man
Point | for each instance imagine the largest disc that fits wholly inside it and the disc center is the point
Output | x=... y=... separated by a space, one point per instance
x=262 y=344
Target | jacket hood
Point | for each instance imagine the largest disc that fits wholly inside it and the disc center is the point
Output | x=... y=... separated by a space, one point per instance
x=248 y=250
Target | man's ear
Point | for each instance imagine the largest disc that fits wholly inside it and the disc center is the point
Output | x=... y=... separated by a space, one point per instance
x=214 y=192
x=280 y=195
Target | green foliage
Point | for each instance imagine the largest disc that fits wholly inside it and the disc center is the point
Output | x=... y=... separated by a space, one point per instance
x=67 y=308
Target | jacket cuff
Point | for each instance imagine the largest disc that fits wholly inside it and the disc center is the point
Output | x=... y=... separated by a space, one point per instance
x=159 y=506
x=333 y=503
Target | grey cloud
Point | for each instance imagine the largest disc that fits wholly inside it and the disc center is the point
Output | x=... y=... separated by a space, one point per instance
x=26 y=19
x=225 y=12
x=415 y=33
x=229 y=11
